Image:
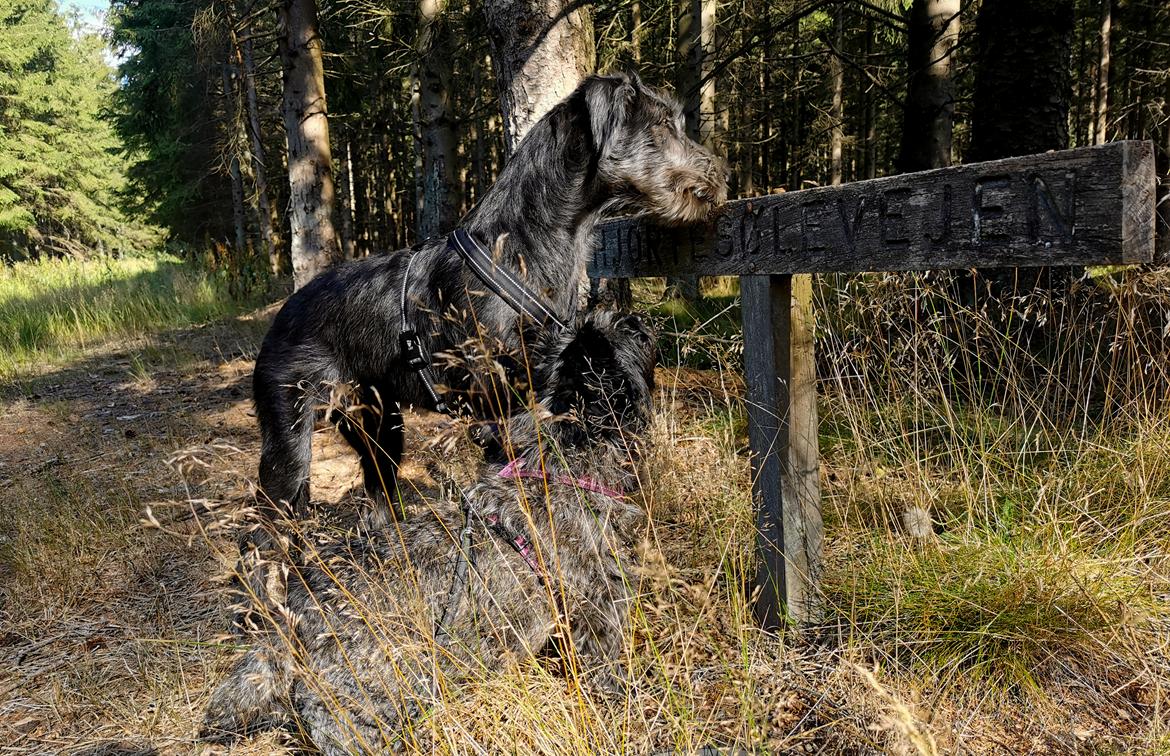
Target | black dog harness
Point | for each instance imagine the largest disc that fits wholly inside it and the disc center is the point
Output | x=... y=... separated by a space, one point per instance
x=502 y=283
x=499 y=280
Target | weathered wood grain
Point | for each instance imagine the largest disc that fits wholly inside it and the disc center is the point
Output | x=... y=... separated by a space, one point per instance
x=1089 y=206
x=782 y=429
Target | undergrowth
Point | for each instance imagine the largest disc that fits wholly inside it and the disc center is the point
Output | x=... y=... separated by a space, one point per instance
x=50 y=308
x=1032 y=613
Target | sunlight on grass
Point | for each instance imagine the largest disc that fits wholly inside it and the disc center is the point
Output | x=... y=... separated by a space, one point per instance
x=998 y=610
x=53 y=307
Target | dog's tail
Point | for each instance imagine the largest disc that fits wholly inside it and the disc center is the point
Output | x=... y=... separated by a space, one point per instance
x=247 y=701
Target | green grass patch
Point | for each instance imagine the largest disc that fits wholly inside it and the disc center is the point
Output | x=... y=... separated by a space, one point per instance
x=54 y=307
x=997 y=609
x=703 y=334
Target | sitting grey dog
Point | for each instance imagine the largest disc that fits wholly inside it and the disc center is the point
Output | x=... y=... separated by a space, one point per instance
x=375 y=628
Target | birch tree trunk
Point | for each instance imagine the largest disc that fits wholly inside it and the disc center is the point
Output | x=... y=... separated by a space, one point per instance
x=541 y=51
x=314 y=245
x=436 y=202
x=930 y=100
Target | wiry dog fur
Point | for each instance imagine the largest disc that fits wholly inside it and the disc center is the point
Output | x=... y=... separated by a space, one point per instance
x=357 y=657
x=613 y=146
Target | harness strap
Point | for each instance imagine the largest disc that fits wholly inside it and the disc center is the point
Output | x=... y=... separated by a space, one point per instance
x=520 y=543
x=501 y=281
x=515 y=469
x=498 y=279
x=465 y=559
x=459 y=579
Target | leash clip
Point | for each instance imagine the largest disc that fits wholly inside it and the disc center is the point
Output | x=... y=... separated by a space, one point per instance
x=412 y=351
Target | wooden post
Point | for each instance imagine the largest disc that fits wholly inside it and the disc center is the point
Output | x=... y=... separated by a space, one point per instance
x=780 y=373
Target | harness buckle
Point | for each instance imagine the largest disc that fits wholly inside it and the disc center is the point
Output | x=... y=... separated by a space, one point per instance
x=412 y=351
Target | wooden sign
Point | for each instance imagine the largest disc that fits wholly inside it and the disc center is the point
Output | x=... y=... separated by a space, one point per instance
x=1089 y=206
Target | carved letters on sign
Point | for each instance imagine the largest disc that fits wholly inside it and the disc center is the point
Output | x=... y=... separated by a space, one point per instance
x=1062 y=208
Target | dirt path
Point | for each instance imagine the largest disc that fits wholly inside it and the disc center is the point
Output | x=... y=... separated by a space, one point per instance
x=110 y=630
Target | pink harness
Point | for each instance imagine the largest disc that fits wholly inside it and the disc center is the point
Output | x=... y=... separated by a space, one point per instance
x=520 y=542
x=515 y=470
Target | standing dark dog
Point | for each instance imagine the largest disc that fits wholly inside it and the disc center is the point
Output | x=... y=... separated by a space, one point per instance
x=374 y=627
x=613 y=146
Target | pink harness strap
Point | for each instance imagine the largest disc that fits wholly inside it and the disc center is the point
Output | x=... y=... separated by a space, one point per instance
x=515 y=470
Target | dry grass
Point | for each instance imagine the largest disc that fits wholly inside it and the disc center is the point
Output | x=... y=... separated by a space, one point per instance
x=1035 y=619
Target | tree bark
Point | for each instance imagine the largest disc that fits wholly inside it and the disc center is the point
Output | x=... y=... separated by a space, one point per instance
x=348 y=242
x=1022 y=78
x=310 y=164
x=636 y=31
x=695 y=47
x=232 y=122
x=541 y=51
x=436 y=200
x=268 y=220
x=868 y=113
x=930 y=100
x=837 y=98
x=1101 y=124
x=1023 y=86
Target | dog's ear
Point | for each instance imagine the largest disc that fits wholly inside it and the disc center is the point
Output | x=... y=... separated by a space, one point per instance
x=609 y=99
x=584 y=362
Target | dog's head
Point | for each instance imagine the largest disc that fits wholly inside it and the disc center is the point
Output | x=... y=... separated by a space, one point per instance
x=599 y=377
x=644 y=154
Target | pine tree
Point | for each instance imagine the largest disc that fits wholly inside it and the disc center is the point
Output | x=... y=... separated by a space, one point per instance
x=60 y=174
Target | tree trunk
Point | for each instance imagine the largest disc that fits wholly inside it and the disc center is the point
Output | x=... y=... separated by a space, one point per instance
x=348 y=243
x=1101 y=124
x=837 y=98
x=541 y=51
x=695 y=45
x=268 y=220
x=636 y=31
x=1022 y=80
x=795 y=138
x=696 y=59
x=436 y=203
x=868 y=115
x=930 y=100
x=310 y=164
x=232 y=119
x=1023 y=85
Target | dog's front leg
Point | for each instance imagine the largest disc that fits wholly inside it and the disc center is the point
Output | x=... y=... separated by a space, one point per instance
x=599 y=632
